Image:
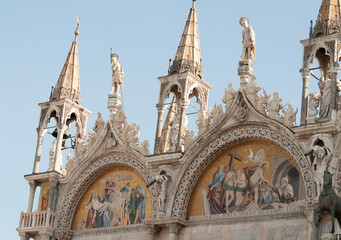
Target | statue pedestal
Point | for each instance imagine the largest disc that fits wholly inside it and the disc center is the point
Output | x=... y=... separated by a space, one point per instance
x=311 y=120
x=328 y=236
x=114 y=101
x=160 y=215
x=245 y=72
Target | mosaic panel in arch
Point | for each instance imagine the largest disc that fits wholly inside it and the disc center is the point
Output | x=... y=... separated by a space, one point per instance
x=254 y=175
x=118 y=197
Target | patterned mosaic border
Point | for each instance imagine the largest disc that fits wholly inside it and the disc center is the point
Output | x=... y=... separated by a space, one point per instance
x=241 y=134
x=90 y=174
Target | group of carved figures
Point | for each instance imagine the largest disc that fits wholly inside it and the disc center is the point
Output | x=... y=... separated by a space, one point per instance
x=272 y=108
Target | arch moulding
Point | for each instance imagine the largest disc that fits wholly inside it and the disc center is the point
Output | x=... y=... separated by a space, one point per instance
x=77 y=187
x=193 y=170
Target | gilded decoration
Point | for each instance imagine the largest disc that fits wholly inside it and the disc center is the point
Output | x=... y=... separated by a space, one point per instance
x=254 y=175
x=44 y=200
x=83 y=181
x=197 y=166
x=118 y=197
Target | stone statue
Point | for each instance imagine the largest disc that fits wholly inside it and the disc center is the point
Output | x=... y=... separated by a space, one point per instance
x=119 y=119
x=173 y=135
x=249 y=40
x=117 y=74
x=275 y=106
x=321 y=159
x=314 y=100
x=325 y=89
x=99 y=124
x=162 y=181
x=229 y=96
x=52 y=154
x=329 y=201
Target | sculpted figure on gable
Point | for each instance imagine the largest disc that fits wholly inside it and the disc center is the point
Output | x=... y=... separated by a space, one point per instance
x=99 y=124
x=229 y=95
x=275 y=105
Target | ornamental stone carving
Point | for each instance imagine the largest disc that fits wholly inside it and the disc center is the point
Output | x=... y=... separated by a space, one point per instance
x=229 y=95
x=144 y=150
x=203 y=122
x=241 y=112
x=275 y=106
x=99 y=124
x=216 y=113
x=262 y=104
x=289 y=116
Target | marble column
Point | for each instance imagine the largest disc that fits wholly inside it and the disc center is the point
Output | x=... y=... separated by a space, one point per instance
x=41 y=134
x=161 y=110
x=174 y=229
x=182 y=127
x=61 y=130
x=53 y=193
x=305 y=91
x=33 y=187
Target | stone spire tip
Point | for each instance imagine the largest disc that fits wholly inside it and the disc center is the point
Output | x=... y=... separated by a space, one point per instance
x=193 y=6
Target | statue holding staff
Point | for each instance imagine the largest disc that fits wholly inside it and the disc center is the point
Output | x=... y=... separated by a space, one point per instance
x=117 y=74
x=249 y=40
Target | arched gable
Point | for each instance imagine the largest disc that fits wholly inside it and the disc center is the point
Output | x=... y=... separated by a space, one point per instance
x=195 y=166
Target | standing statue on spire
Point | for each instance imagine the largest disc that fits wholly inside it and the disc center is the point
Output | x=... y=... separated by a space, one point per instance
x=249 y=40
x=117 y=74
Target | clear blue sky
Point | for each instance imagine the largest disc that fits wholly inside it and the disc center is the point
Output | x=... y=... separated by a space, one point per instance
x=36 y=37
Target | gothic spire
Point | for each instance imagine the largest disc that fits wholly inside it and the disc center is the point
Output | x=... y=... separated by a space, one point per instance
x=68 y=82
x=329 y=18
x=188 y=56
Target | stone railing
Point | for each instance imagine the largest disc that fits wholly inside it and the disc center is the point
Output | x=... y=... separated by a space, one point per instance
x=37 y=219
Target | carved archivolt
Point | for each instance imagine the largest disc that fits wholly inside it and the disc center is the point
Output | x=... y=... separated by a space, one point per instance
x=195 y=167
x=77 y=187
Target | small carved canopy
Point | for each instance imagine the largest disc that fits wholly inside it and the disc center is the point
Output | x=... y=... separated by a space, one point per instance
x=188 y=55
x=329 y=19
